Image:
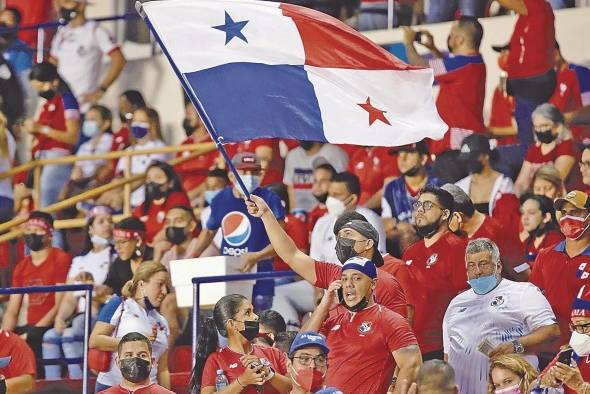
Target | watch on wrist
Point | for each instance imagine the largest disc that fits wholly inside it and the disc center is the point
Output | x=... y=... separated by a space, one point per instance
x=518 y=348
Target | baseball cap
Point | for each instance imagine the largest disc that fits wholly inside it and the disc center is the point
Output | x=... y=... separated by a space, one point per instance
x=246 y=161
x=329 y=390
x=367 y=230
x=475 y=143
x=500 y=48
x=4 y=361
x=577 y=198
x=308 y=338
x=419 y=147
x=362 y=265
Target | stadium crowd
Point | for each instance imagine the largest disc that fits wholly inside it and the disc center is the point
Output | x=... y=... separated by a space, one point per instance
x=449 y=266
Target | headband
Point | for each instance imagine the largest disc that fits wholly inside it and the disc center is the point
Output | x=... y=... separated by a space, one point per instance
x=40 y=223
x=127 y=234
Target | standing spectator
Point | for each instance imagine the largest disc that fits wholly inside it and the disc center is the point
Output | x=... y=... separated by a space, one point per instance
x=33 y=12
x=19 y=373
x=547 y=182
x=322 y=174
x=244 y=236
x=78 y=48
x=299 y=171
x=434 y=377
x=517 y=318
x=179 y=226
x=554 y=146
x=46 y=266
x=568 y=90
x=561 y=270
x=136 y=311
x=443 y=11
x=513 y=372
x=216 y=181
x=583 y=74
x=343 y=196
x=462 y=77
x=267 y=150
x=308 y=347
x=530 y=65
x=243 y=364
x=134 y=360
x=56 y=130
x=374 y=167
x=367 y=334
x=7 y=153
x=435 y=264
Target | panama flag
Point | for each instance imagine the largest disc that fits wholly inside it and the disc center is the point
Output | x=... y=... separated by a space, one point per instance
x=258 y=69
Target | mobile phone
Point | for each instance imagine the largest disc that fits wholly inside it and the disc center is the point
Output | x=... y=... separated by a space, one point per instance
x=565 y=357
x=340 y=292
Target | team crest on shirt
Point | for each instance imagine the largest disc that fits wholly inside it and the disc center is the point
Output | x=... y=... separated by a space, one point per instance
x=497 y=301
x=51 y=107
x=431 y=260
x=365 y=327
x=581 y=272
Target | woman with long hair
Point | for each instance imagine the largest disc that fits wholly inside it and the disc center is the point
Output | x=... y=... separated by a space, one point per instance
x=135 y=312
x=245 y=366
x=511 y=372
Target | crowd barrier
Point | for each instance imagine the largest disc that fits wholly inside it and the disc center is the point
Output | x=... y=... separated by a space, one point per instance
x=88 y=304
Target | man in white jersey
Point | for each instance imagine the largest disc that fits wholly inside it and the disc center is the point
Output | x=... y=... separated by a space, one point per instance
x=496 y=316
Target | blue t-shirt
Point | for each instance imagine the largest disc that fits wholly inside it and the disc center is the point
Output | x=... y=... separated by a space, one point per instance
x=583 y=74
x=19 y=56
x=399 y=199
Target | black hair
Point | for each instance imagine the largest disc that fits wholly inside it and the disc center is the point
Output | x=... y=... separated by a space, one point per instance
x=326 y=166
x=353 y=185
x=225 y=309
x=347 y=217
x=283 y=340
x=464 y=206
x=135 y=98
x=43 y=216
x=105 y=115
x=172 y=177
x=17 y=14
x=545 y=206
x=218 y=173
x=475 y=29
x=131 y=223
x=443 y=197
x=134 y=337
x=154 y=118
x=281 y=190
x=44 y=72
x=273 y=320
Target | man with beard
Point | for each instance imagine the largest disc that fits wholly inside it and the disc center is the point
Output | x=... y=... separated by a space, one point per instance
x=436 y=267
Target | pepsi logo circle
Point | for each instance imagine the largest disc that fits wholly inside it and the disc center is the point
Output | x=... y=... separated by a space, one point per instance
x=236 y=228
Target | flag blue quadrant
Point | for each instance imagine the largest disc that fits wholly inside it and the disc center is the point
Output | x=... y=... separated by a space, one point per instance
x=253 y=100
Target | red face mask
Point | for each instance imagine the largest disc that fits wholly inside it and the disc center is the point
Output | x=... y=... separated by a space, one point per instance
x=503 y=61
x=309 y=379
x=572 y=227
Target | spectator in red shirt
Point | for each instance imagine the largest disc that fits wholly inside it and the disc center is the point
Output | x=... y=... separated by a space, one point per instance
x=374 y=167
x=46 y=266
x=267 y=150
x=244 y=365
x=322 y=174
x=163 y=191
x=547 y=182
x=367 y=334
x=308 y=377
x=554 y=146
x=567 y=95
x=461 y=76
x=19 y=369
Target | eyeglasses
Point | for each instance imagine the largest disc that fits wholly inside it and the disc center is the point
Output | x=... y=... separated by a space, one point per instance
x=426 y=205
x=305 y=360
x=580 y=328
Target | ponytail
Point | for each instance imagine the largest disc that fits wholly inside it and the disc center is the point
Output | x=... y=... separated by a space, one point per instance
x=144 y=272
x=128 y=289
x=207 y=343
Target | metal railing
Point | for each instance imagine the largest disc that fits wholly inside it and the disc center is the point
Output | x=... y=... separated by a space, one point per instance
x=87 y=313
x=197 y=282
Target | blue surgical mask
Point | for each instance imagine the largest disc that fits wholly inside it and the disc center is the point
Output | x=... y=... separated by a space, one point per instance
x=210 y=195
x=90 y=128
x=252 y=182
x=140 y=129
x=483 y=284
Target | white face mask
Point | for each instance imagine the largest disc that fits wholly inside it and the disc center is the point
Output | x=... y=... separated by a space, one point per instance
x=252 y=182
x=335 y=206
x=99 y=241
x=580 y=343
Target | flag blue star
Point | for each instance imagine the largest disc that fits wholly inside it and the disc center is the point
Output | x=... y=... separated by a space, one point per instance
x=232 y=29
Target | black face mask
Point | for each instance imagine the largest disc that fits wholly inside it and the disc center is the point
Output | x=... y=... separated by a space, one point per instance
x=306 y=145
x=47 y=94
x=2 y=386
x=34 y=242
x=135 y=369
x=345 y=249
x=545 y=136
x=67 y=14
x=412 y=171
x=321 y=198
x=175 y=235
x=8 y=37
x=474 y=166
x=188 y=127
x=428 y=230
x=153 y=191
x=358 y=307
x=251 y=329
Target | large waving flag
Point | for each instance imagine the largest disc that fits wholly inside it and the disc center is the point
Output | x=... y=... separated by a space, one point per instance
x=258 y=69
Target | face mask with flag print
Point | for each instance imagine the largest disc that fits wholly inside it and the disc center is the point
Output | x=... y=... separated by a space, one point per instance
x=573 y=227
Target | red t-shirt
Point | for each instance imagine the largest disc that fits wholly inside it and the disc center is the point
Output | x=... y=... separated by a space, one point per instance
x=229 y=362
x=507 y=241
x=560 y=277
x=274 y=172
x=314 y=215
x=193 y=172
x=149 y=389
x=22 y=360
x=438 y=274
x=533 y=41
x=501 y=115
x=120 y=142
x=33 y=12
x=567 y=96
x=54 y=113
x=372 y=165
x=297 y=230
x=154 y=219
x=50 y=272
x=361 y=344
x=564 y=148
x=388 y=293
x=530 y=251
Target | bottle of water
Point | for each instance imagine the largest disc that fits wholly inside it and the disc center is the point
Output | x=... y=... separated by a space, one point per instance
x=220 y=381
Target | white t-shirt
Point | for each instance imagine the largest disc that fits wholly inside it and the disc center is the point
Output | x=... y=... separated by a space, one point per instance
x=136 y=319
x=323 y=240
x=5 y=165
x=104 y=144
x=502 y=185
x=508 y=312
x=96 y=264
x=299 y=172
x=79 y=51
x=139 y=164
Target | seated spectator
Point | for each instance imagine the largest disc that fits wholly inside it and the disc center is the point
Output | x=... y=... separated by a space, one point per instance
x=135 y=361
x=283 y=341
x=56 y=130
x=524 y=323
x=308 y=347
x=434 y=377
x=7 y=155
x=343 y=196
x=179 y=227
x=511 y=372
x=547 y=182
x=252 y=365
x=321 y=176
x=162 y=192
x=554 y=146
x=299 y=171
x=135 y=311
x=270 y=323
x=17 y=366
x=394 y=347
x=582 y=73
x=92 y=267
x=128 y=238
x=374 y=167
x=46 y=266
x=461 y=76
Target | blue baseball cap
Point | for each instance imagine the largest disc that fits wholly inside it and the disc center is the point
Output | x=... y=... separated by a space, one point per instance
x=4 y=361
x=361 y=264
x=304 y=339
x=329 y=390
